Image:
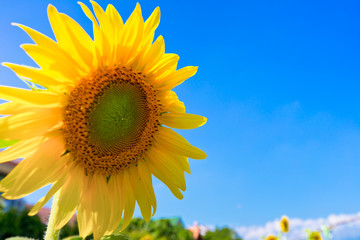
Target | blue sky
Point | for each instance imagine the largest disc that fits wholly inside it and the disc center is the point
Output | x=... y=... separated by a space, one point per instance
x=279 y=83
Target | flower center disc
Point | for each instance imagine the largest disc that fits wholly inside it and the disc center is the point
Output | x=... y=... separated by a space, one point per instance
x=110 y=120
x=118 y=117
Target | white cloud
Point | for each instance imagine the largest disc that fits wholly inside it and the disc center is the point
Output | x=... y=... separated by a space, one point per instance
x=345 y=226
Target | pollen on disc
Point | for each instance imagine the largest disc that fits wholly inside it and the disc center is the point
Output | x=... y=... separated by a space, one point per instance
x=110 y=119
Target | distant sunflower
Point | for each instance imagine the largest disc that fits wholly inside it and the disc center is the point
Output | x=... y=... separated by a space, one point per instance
x=314 y=236
x=271 y=237
x=284 y=224
x=96 y=129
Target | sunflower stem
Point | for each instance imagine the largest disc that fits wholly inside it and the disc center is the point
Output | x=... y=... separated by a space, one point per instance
x=51 y=232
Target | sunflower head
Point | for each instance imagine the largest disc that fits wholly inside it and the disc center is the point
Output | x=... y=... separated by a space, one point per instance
x=110 y=120
x=314 y=236
x=284 y=224
x=271 y=237
x=102 y=123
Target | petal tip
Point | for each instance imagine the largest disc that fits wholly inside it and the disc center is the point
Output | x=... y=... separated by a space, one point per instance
x=203 y=155
x=93 y=3
x=33 y=212
x=204 y=121
x=51 y=8
x=5 y=64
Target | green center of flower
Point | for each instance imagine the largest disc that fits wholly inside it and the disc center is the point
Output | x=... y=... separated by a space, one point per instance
x=110 y=119
x=118 y=117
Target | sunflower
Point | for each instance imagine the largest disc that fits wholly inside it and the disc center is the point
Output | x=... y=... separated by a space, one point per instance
x=271 y=237
x=314 y=236
x=284 y=224
x=97 y=121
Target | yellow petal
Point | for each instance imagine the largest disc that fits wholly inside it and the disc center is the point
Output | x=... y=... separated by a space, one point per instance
x=41 y=77
x=134 y=22
x=21 y=149
x=101 y=206
x=146 y=179
x=116 y=23
x=49 y=55
x=11 y=108
x=182 y=120
x=172 y=80
x=81 y=41
x=131 y=37
x=99 y=38
x=43 y=42
x=69 y=36
x=27 y=96
x=69 y=197
x=173 y=188
x=55 y=60
x=56 y=186
x=100 y=15
x=140 y=193
x=104 y=37
x=39 y=38
x=149 y=28
x=152 y=55
x=87 y=12
x=176 y=143
x=176 y=107
x=43 y=167
x=181 y=161
x=85 y=213
x=129 y=200
x=29 y=124
x=148 y=36
x=165 y=164
x=114 y=16
x=166 y=65
x=114 y=186
x=170 y=102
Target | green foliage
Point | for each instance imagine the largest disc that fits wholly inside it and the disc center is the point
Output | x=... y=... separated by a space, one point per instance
x=161 y=229
x=2 y=204
x=18 y=223
x=19 y=238
x=222 y=234
x=69 y=230
x=7 y=143
x=164 y=229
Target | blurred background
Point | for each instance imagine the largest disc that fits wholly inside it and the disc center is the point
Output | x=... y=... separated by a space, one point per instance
x=279 y=84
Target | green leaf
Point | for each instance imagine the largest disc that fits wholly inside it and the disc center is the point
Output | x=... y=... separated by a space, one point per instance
x=7 y=143
x=19 y=238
